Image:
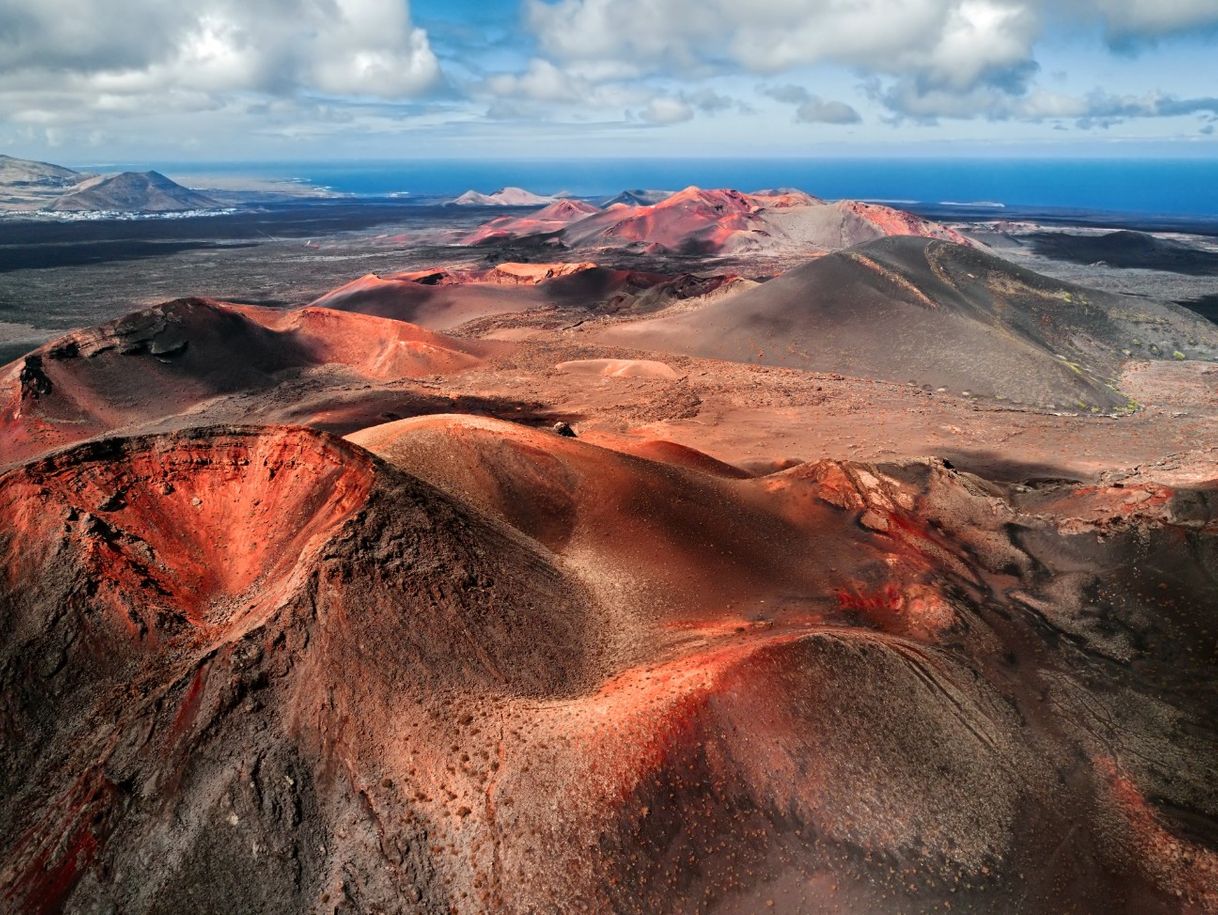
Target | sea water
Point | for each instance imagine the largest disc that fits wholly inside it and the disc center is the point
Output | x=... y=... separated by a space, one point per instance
x=1160 y=187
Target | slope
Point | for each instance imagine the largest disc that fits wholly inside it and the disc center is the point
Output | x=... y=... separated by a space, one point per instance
x=933 y=313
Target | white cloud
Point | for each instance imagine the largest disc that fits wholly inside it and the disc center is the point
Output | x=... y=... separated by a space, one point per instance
x=340 y=47
x=935 y=58
x=663 y=110
x=369 y=48
x=145 y=74
x=164 y=73
x=540 y=81
x=956 y=42
x=543 y=89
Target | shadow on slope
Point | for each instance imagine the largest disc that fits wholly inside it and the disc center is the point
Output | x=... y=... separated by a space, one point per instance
x=933 y=313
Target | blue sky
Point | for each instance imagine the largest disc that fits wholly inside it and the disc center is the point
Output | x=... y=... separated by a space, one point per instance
x=97 y=80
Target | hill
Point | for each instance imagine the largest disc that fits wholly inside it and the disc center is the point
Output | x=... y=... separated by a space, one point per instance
x=28 y=185
x=445 y=299
x=28 y=172
x=723 y=221
x=635 y=197
x=1129 y=250
x=504 y=197
x=167 y=360
x=131 y=192
x=933 y=313
x=552 y=218
x=470 y=650
x=229 y=568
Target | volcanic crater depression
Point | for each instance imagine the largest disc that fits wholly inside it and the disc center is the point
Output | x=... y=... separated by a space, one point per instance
x=716 y=552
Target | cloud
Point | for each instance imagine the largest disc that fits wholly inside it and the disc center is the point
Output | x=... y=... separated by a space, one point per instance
x=812 y=109
x=365 y=48
x=951 y=42
x=790 y=94
x=956 y=43
x=820 y=111
x=663 y=110
x=1100 y=109
x=933 y=58
x=540 y=81
x=1138 y=20
x=676 y=109
x=708 y=101
x=565 y=95
x=572 y=91
x=1095 y=109
x=161 y=74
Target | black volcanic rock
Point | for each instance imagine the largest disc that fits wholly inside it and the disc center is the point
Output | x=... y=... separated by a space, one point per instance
x=1206 y=306
x=1127 y=250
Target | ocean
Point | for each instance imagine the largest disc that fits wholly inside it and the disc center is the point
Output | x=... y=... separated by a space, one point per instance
x=1186 y=188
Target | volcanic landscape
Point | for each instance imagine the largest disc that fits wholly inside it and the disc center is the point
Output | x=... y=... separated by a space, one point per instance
x=697 y=552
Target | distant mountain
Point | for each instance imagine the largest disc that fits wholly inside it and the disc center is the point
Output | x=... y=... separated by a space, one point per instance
x=568 y=209
x=26 y=185
x=131 y=192
x=718 y=221
x=26 y=172
x=504 y=197
x=557 y=216
x=637 y=198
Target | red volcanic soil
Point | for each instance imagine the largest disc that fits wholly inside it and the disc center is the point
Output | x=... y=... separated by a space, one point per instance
x=533 y=274
x=482 y=667
x=552 y=218
x=889 y=221
x=619 y=517
x=191 y=541
x=691 y=221
x=697 y=221
x=664 y=452
x=780 y=198
x=438 y=305
x=618 y=368
x=627 y=652
x=446 y=299
x=373 y=348
x=165 y=360
x=222 y=673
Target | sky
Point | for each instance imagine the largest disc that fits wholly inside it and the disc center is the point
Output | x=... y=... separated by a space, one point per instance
x=317 y=80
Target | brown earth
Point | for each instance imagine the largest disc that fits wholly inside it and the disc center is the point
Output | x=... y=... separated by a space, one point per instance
x=754 y=637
